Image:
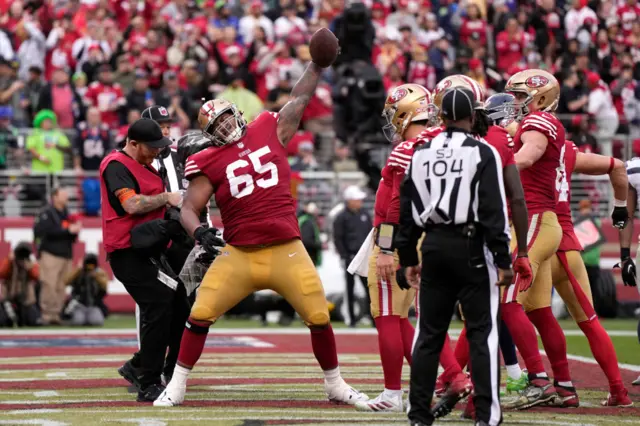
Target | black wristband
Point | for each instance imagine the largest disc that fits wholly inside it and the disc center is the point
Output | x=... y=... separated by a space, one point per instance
x=385 y=236
x=625 y=252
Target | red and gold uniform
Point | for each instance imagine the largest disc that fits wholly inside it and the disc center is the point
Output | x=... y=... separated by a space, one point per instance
x=387 y=298
x=251 y=181
x=545 y=233
x=568 y=272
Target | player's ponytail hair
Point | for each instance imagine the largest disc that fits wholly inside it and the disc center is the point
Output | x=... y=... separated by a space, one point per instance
x=481 y=123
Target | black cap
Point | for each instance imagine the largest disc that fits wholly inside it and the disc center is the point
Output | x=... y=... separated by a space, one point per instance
x=457 y=104
x=148 y=132
x=157 y=113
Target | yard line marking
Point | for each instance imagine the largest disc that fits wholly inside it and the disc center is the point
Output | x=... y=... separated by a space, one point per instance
x=44 y=394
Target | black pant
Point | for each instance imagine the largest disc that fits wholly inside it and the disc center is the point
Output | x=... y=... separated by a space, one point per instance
x=454 y=268
x=156 y=301
x=351 y=283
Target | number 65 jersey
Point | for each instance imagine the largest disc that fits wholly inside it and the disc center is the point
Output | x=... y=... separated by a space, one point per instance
x=251 y=181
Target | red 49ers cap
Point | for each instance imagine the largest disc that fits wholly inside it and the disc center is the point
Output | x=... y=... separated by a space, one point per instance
x=148 y=132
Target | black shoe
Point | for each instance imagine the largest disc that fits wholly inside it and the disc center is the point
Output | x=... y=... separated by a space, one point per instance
x=150 y=393
x=135 y=360
x=128 y=371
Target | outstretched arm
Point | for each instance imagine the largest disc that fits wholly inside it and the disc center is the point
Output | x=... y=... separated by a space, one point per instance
x=198 y=195
x=291 y=113
x=594 y=164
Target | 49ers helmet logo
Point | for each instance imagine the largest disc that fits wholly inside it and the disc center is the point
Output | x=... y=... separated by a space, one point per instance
x=536 y=81
x=444 y=86
x=397 y=96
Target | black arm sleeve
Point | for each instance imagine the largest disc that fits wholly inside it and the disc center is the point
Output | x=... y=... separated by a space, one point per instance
x=492 y=212
x=408 y=233
x=338 y=235
x=116 y=176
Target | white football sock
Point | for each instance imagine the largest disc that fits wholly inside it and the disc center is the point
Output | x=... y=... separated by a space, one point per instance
x=333 y=376
x=514 y=371
x=179 y=378
x=568 y=384
x=389 y=393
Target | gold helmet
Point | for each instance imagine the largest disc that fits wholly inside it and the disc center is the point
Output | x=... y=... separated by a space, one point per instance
x=458 y=80
x=225 y=130
x=406 y=104
x=540 y=88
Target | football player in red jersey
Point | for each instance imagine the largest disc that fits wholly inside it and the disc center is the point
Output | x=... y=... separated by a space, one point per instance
x=537 y=143
x=248 y=173
x=570 y=275
x=408 y=110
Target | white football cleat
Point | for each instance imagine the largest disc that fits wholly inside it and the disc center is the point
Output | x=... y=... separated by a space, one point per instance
x=382 y=403
x=342 y=393
x=636 y=382
x=171 y=397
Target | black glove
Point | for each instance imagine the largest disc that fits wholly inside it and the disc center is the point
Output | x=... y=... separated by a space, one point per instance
x=628 y=271
x=401 y=279
x=205 y=258
x=209 y=239
x=620 y=217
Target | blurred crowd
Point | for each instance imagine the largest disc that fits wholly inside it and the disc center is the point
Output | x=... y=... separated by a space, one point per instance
x=78 y=71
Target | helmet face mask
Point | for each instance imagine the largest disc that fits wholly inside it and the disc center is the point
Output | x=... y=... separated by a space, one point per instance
x=502 y=109
x=222 y=122
x=406 y=104
x=535 y=90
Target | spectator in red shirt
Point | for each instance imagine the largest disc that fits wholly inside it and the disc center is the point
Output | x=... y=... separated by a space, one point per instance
x=106 y=96
x=473 y=24
x=60 y=97
x=510 y=45
x=628 y=14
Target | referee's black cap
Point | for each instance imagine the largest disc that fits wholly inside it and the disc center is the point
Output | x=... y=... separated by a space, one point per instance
x=457 y=104
x=148 y=132
x=157 y=113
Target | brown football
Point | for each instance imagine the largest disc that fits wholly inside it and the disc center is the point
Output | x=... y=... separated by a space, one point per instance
x=324 y=47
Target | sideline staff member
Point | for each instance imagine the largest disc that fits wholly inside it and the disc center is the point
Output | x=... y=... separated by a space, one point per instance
x=132 y=193
x=454 y=191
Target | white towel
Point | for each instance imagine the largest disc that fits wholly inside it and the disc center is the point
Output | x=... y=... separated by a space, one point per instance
x=360 y=264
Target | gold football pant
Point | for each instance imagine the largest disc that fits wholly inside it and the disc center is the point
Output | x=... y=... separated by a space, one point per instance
x=571 y=281
x=543 y=239
x=387 y=298
x=239 y=271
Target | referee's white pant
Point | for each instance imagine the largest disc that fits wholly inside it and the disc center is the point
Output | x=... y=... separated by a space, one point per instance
x=457 y=268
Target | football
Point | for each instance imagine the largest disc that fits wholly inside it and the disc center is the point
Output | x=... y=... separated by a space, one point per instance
x=324 y=48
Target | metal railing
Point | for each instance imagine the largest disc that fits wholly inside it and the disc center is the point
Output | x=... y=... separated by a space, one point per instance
x=24 y=193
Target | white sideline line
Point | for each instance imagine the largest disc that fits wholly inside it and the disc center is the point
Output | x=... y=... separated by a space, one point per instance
x=251 y=331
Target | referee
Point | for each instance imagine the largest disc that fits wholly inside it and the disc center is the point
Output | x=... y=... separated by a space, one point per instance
x=454 y=192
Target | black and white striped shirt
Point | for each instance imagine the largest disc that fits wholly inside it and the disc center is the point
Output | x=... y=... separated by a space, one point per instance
x=454 y=179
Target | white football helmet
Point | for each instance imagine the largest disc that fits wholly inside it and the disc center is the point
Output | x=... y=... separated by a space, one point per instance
x=221 y=122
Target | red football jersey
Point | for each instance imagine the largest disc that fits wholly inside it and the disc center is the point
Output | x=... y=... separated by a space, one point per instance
x=387 y=206
x=107 y=98
x=497 y=137
x=568 y=154
x=539 y=180
x=252 y=185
